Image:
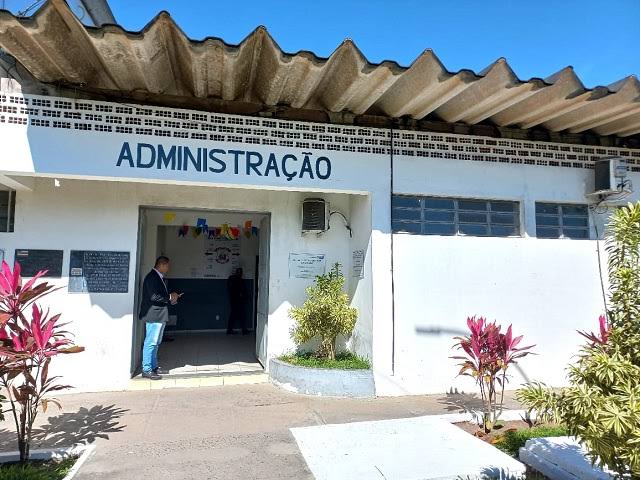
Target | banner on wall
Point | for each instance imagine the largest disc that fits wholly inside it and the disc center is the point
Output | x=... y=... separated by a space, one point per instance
x=222 y=257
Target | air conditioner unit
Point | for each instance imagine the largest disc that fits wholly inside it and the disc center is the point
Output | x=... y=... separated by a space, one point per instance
x=610 y=173
x=315 y=215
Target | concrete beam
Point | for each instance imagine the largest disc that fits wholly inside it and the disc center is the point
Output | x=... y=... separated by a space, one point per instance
x=19 y=184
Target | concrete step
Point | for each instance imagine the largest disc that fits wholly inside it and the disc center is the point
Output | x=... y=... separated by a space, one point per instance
x=199 y=380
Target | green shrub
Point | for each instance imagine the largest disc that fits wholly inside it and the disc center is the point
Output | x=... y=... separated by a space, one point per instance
x=37 y=470
x=325 y=314
x=512 y=440
x=343 y=361
x=602 y=404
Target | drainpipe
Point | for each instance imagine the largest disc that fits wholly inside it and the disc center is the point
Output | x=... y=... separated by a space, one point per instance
x=393 y=287
x=99 y=11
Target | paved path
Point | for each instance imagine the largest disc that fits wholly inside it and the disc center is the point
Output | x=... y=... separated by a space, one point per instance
x=230 y=432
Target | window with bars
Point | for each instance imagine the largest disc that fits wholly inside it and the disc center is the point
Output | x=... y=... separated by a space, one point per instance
x=455 y=216
x=7 y=210
x=554 y=220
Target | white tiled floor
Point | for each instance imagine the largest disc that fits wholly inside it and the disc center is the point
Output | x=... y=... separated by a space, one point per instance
x=211 y=353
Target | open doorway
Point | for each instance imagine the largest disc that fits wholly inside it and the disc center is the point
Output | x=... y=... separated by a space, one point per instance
x=205 y=248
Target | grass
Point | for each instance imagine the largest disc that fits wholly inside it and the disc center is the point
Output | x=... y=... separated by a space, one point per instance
x=344 y=361
x=511 y=440
x=35 y=470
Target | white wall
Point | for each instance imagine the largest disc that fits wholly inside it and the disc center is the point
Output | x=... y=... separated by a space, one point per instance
x=98 y=215
x=546 y=288
x=360 y=288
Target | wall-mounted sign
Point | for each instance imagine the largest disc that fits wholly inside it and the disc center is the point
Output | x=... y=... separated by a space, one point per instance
x=98 y=271
x=357 y=264
x=211 y=161
x=32 y=261
x=306 y=265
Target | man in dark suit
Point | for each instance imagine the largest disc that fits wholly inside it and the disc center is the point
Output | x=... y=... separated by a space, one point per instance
x=154 y=311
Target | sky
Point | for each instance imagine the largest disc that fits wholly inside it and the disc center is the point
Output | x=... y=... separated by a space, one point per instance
x=600 y=39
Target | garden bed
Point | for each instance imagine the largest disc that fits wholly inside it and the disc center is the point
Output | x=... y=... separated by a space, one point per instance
x=45 y=464
x=343 y=361
x=510 y=436
x=338 y=378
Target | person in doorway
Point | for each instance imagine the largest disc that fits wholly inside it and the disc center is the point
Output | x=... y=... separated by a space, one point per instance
x=154 y=311
x=235 y=286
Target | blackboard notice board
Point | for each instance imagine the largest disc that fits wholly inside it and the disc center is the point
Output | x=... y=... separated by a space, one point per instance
x=32 y=261
x=98 y=271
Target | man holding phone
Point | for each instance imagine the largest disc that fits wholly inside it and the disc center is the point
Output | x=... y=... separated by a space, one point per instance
x=154 y=311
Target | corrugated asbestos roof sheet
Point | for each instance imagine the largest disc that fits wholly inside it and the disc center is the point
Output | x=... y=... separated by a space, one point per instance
x=160 y=60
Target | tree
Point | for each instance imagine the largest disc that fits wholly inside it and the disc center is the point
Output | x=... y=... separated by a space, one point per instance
x=325 y=314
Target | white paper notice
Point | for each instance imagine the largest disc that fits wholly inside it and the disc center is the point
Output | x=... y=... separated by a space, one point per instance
x=306 y=265
x=358 y=263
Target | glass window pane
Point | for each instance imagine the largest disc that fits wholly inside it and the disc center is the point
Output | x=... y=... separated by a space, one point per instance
x=574 y=210
x=472 y=217
x=504 y=206
x=406 y=202
x=4 y=210
x=549 y=208
x=439 y=229
x=575 y=221
x=547 y=220
x=575 y=232
x=547 y=232
x=12 y=211
x=504 y=231
x=407 y=227
x=439 y=215
x=472 y=205
x=440 y=203
x=401 y=214
x=503 y=218
x=473 y=229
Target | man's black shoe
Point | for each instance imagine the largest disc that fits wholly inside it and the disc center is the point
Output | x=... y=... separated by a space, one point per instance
x=160 y=371
x=151 y=375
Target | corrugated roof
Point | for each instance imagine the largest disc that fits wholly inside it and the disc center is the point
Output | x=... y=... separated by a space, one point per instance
x=160 y=60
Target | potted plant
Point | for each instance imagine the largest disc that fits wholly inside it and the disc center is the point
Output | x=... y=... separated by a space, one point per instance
x=324 y=316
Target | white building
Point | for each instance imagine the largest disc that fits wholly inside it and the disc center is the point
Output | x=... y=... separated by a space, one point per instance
x=466 y=194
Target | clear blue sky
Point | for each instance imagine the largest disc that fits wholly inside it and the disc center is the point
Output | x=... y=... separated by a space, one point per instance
x=600 y=39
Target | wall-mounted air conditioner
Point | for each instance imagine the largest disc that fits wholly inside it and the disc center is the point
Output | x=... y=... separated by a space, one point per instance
x=610 y=173
x=315 y=215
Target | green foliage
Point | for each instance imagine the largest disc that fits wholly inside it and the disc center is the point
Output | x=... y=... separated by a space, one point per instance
x=37 y=470
x=602 y=405
x=325 y=314
x=512 y=440
x=343 y=361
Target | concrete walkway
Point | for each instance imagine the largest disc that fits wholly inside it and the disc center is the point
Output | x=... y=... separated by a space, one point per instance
x=230 y=432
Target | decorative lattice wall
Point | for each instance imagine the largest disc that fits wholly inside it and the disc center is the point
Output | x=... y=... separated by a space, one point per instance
x=116 y=118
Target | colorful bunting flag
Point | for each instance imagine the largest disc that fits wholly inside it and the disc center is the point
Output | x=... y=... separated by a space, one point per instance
x=169 y=217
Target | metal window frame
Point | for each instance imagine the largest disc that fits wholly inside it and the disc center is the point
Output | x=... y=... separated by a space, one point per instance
x=11 y=205
x=456 y=210
x=560 y=215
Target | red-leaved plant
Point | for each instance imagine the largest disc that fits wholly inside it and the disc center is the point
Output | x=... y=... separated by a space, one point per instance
x=598 y=338
x=488 y=355
x=27 y=345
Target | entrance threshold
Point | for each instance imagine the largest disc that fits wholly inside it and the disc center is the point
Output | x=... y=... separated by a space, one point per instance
x=201 y=379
